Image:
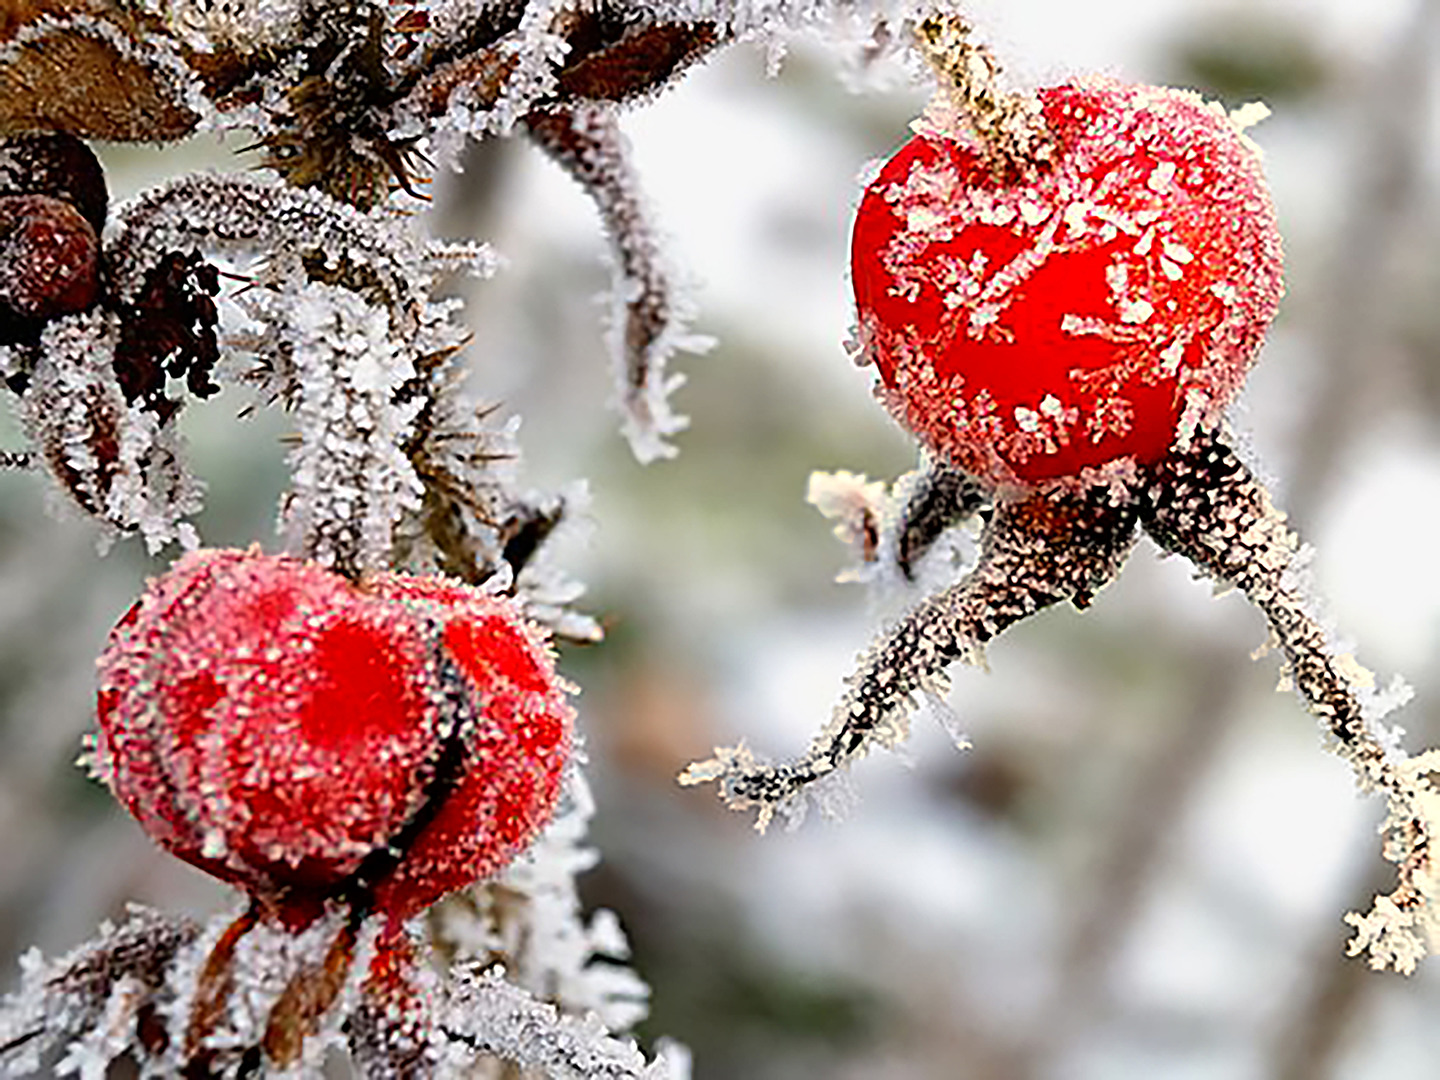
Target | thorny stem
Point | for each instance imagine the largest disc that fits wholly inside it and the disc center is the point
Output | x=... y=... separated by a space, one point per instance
x=1206 y=505
x=1009 y=126
x=1033 y=554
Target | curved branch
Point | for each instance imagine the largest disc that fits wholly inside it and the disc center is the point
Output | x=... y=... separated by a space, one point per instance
x=1206 y=505
x=1033 y=554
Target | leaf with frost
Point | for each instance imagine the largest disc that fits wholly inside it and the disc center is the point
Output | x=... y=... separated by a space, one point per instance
x=115 y=460
x=650 y=316
x=86 y=1004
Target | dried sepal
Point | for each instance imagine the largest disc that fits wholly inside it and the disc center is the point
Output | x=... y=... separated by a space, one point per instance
x=895 y=527
x=650 y=316
x=1033 y=554
x=1205 y=504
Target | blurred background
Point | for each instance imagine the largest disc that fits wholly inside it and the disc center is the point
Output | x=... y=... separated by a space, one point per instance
x=1141 y=867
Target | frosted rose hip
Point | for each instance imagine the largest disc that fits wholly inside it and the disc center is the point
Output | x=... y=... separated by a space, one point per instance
x=306 y=738
x=1031 y=329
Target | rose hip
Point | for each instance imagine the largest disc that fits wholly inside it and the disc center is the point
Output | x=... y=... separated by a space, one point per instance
x=1097 y=309
x=310 y=739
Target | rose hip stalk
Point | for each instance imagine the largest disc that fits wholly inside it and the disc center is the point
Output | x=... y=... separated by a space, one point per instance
x=1061 y=293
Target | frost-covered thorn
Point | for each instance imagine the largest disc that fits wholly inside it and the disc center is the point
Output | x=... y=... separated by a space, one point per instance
x=1033 y=554
x=1010 y=126
x=1206 y=505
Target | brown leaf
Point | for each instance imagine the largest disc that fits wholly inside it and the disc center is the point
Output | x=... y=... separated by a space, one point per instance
x=59 y=72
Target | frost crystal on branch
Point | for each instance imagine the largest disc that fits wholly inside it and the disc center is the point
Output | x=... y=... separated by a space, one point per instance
x=1032 y=554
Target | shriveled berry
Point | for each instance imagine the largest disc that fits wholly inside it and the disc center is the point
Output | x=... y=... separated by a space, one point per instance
x=1092 y=312
x=49 y=257
x=57 y=165
x=310 y=739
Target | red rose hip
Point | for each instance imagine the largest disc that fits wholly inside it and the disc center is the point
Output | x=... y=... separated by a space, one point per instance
x=1089 y=313
x=306 y=738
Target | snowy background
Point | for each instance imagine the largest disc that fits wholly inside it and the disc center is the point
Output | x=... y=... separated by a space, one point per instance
x=1141 y=867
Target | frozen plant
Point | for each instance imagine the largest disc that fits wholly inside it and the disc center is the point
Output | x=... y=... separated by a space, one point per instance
x=1062 y=291
x=364 y=734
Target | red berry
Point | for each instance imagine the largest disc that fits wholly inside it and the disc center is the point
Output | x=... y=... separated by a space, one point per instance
x=304 y=737
x=49 y=257
x=1094 y=312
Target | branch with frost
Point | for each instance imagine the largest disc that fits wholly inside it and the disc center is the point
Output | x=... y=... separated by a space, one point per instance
x=1200 y=502
x=1206 y=505
x=1032 y=554
x=488 y=1015
x=650 y=315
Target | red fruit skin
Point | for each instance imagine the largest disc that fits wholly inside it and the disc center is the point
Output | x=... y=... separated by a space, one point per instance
x=49 y=257
x=272 y=723
x=523 y=738
x=1088 y=317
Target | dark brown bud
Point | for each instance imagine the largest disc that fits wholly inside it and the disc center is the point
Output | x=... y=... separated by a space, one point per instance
x=58 y=165
x=49 y=257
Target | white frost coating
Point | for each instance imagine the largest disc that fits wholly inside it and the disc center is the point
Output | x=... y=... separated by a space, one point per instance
x=486 y=1013
x=350 y=479
x=114 y=460
x=530 y=918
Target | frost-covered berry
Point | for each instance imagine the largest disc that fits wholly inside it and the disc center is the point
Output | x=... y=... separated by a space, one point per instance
x=58 y=165
x=310 y=739
x=1094 y=309
x=49 y=257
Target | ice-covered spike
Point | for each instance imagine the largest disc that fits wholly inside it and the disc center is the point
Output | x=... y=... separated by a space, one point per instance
x=1206 y=505
x=351 y=480
x=650 y=314
x=484 y=1013
x=1033 y=554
